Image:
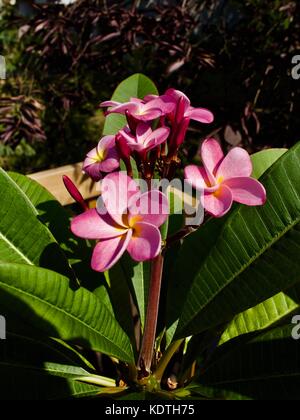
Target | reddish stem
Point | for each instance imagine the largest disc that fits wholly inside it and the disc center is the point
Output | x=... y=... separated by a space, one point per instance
x=148 y=342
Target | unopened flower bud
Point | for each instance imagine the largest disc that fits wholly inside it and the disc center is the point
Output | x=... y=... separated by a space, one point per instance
x=74 y=192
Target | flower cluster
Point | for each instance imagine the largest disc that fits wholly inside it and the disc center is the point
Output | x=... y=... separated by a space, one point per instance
x=128 y=219
x=156 y=124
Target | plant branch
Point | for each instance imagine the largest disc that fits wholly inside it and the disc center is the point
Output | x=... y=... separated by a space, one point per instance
x=183 y=233
x=148 y=342
x=166 y=358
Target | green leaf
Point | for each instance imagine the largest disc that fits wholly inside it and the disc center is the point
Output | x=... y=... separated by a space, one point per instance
x=264 y=315
x=137 y=278
x=120 y=299
x=263 y=160
x=35 y=369
x=252 y=256
x=23 y=238
x=52 y=214
x=136 y=86
x=182 y=266
x=50 y=211
x=140 y=280
x=46 y=301
x=263 y=368
x=196 y=248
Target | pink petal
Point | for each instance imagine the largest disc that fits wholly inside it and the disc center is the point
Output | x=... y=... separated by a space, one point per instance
x=145 y=243
x=137 y=100
x=197 y=177
x=147 y=115
x=92 y=156
x=158 y=137
x=92 y=168
x=212 y=155
x=118 y=190
x=200 y=114
x=236 y=164
x=152 y=207
x=132 y=107
x=106 y=142
x=90 y=225
x=247 y=191
x=164 y=103
x=122 y=148
x=108 y=252
x=128 y=136
x=149 y=98
x=143 y=131
x=107 y=104
x=112 y=161
x=176 y=95
x=182 y=130
x=219 y=203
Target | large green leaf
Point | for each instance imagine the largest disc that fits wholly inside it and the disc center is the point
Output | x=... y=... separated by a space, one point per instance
x=264 y=160
x=57 y=219
x=23 y=238
x=181 y=266
x=262 y=368
x=121 y=304
x=252 y=256
x=46 y=301
x=136 y=86
x=36 y=369
x=196 y=248
x=264 y=315
x=50 y=211
x=125 y=278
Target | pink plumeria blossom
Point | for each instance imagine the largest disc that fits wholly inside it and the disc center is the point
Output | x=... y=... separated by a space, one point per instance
x=129 y=224
x=184 y=109
x=140 y=109
x=224 y=180
x=145 y=139
x=103 y=158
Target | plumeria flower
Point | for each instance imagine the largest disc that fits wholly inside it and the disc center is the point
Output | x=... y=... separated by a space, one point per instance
x=145 y=139
x=142 y=110
x=225 y=179
x=130 y=223
x=183 y=108
x=103 y=158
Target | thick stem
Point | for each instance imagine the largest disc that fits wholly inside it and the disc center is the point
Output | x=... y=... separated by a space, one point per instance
x=148 y=342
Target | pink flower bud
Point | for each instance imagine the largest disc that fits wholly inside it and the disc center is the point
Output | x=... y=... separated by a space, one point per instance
x=123 y=147
x=74 y=192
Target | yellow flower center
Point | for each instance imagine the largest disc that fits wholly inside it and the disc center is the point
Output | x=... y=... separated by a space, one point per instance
x=101 y=155
x=134 y=220
x=220 y=180
x=217 y=193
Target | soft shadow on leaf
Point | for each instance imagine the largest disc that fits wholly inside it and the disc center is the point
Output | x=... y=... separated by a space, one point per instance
x=255 y=367
x=41 y=368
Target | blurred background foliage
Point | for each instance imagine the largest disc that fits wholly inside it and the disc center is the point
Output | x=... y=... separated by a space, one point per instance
x=233 y=57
